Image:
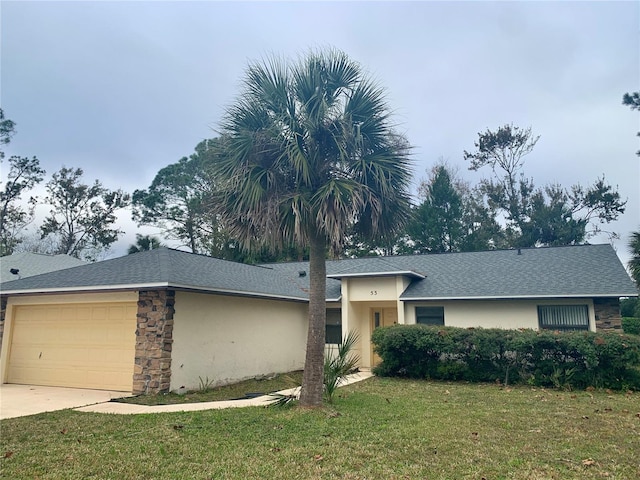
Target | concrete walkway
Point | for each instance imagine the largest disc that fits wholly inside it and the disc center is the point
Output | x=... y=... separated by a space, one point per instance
x=23 y=400
x=129 y=409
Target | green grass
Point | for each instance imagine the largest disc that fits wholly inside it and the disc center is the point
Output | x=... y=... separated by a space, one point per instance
x=228 y=392
x=377 y=429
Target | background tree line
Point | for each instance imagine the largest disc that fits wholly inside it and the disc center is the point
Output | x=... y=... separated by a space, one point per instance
x=506 y=209
x=81 y=218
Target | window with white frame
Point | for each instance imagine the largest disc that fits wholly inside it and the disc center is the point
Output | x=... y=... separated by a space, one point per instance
x=563 y=317
x=430 y=315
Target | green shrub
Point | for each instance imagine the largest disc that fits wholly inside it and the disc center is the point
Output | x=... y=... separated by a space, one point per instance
x=629 y=307
x=337 y=366
x=631 y=325
x=546 y=358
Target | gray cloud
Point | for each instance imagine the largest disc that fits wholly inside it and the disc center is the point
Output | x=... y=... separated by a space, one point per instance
x=125 y=88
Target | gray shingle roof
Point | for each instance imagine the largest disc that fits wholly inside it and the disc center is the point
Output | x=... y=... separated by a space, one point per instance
x=30 y=264
x=576 y=271
x=375 y=266
x=573 y=271
x=163 y=267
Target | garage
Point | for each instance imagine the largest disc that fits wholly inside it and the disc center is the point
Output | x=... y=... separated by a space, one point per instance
x=84 y=345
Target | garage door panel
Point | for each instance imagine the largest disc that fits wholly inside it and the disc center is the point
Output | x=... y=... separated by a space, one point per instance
x=56 y=357
x=53 y=314
x=81 y=345
x=113 y=356
x=68 y=313
x=24 y=355
x=115 y=313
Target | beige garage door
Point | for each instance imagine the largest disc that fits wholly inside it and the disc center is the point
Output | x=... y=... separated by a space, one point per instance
x=74 y=345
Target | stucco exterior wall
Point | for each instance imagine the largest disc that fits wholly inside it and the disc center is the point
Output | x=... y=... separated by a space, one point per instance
x=230 y=338
x=359 y=321
x=3 y=311
x=359 y=297
x=373 y=289
x=508 y=314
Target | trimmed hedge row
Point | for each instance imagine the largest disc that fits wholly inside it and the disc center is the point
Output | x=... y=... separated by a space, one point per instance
x=544 y=358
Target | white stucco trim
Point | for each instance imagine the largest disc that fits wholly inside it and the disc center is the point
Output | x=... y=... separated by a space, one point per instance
x=516 y=297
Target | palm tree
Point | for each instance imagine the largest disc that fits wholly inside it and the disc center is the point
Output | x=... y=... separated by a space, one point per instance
x=634 y=263
x=308 y=153
x=144 y=243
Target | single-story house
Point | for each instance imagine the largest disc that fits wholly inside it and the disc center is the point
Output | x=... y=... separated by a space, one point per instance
x=158 y=320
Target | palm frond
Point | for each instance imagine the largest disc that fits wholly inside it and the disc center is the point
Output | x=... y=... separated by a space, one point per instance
x=309 y=149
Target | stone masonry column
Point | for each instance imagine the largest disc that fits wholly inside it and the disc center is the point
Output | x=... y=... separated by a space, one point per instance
x=154 y=339
x=608 y=315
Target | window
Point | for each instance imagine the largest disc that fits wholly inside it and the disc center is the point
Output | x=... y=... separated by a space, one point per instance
x=333 y=329
x=563 y=317
x=430 y=315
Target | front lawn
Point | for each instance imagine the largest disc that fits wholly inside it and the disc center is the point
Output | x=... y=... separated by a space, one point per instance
x=380 y=428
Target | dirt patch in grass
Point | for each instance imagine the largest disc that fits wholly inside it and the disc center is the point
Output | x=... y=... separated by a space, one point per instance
x=248 y=388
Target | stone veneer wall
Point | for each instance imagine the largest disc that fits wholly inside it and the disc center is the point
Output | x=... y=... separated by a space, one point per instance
x=607 y=312
x=154 y=339
x=3 y=311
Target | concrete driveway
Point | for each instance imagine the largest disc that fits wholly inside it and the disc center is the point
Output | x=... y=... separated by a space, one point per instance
x=22 y=400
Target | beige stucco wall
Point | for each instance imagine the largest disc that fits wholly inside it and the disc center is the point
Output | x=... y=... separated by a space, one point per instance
x=232 y=338
x=51 y=300
x=359 y=321
x=362 y=294
x=372 y=289
x=509 y=314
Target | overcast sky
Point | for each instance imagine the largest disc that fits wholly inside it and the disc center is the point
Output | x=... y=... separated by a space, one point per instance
x=123 y=88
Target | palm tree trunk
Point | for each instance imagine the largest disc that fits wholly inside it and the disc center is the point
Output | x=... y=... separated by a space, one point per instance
x=312 y=379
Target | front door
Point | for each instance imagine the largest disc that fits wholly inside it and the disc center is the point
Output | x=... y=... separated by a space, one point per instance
x=381 y=317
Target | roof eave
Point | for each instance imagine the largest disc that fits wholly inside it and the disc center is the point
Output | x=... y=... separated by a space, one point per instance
x=405 y=273
x=520 y=297
x=241 y=293
x=150 y=286
x=85 y=288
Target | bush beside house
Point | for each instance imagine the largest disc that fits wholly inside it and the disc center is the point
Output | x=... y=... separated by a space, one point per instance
x=576 y=359
x=631 y=325
x=629 y=307
x=630 y=311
